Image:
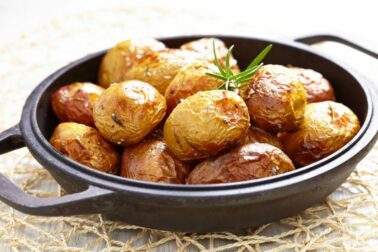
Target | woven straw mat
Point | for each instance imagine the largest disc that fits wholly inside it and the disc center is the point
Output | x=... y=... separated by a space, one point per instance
x=346 y=220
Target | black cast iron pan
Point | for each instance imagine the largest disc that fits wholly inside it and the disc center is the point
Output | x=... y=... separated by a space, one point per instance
x=191 y=208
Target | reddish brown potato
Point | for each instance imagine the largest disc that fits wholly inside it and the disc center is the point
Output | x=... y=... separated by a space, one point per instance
x=128 y=111
x=257 y=135
x=205 y=47
x=75 y=102
x=159 y=68
x=275 y=98
x=152 y=161
x=317 y=87
x=327 y=126
x=247 y=162
x=119 y=59
x=206 y=123
x=86 y=146
x=190 y=80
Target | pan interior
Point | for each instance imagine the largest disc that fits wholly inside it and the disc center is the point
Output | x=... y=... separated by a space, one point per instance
x=348 y=90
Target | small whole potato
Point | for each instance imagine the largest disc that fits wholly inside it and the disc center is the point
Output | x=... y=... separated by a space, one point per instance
x=275 y=98
x=151 y=160
x=159 y=68
x=317 y=87
x=119 y=59
x=127 y=111
x=206 y=123
x=205 y=47
x=190 y=80
x=246 y=162
x=85 y=145
x=257 y=135
x=327 y=126
x=75 y=102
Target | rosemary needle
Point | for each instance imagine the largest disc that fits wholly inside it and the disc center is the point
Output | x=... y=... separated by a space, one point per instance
x=233 y=81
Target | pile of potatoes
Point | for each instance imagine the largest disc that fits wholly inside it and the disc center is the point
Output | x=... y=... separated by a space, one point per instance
x=156 y=116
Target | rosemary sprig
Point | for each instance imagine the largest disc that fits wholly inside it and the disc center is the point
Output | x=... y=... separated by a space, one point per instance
x=233 y=81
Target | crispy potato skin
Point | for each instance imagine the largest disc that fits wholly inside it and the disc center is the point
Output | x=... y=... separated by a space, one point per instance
x=159 y=68
x=151 y=161
x=275 y=98
x=85 y=145
x=128 y=111
x=206 y=123
x=205 y=47
x=257 y=135
x=119 y=59
x=190 y=80
x=75 y=102
x=327 y=126
x=317 y=87
x=246 y=162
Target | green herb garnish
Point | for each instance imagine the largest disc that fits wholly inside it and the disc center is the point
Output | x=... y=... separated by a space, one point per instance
x=235 y=81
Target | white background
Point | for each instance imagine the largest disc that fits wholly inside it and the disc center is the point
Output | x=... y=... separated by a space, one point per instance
x=355 y=19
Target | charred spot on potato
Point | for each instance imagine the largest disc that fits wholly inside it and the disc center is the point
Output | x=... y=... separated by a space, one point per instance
x=148 y=72
x=117 y=120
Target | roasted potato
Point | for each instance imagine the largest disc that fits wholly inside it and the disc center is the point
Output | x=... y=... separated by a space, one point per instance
x=85 y=145
x=151 y=160
x=246 y=162
x=206 y=123
x=119 y=59
x=275 y=98
x=127 y=111
x=317 y=87
x=159 y=68
x=75 y=102
x=327 y=126
x=190 y=80
x=257 y=135
x=205 y=47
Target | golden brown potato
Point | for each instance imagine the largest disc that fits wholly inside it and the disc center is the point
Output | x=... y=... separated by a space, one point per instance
x=159 y=68
x=205 y=47
x=75 y=102
x=126 y=112
x=317 y=87
x=206 y=123
x=327 y=126
x=246 y=162
x=190 y=80
x=118 y=60
x=257 y=135
x=86 y=146
x=152 y=161
x=275 y=98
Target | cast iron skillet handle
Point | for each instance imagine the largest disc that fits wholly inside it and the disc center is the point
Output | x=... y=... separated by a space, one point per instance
x=313 y=39
x=88 y=201
x=11 y=139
